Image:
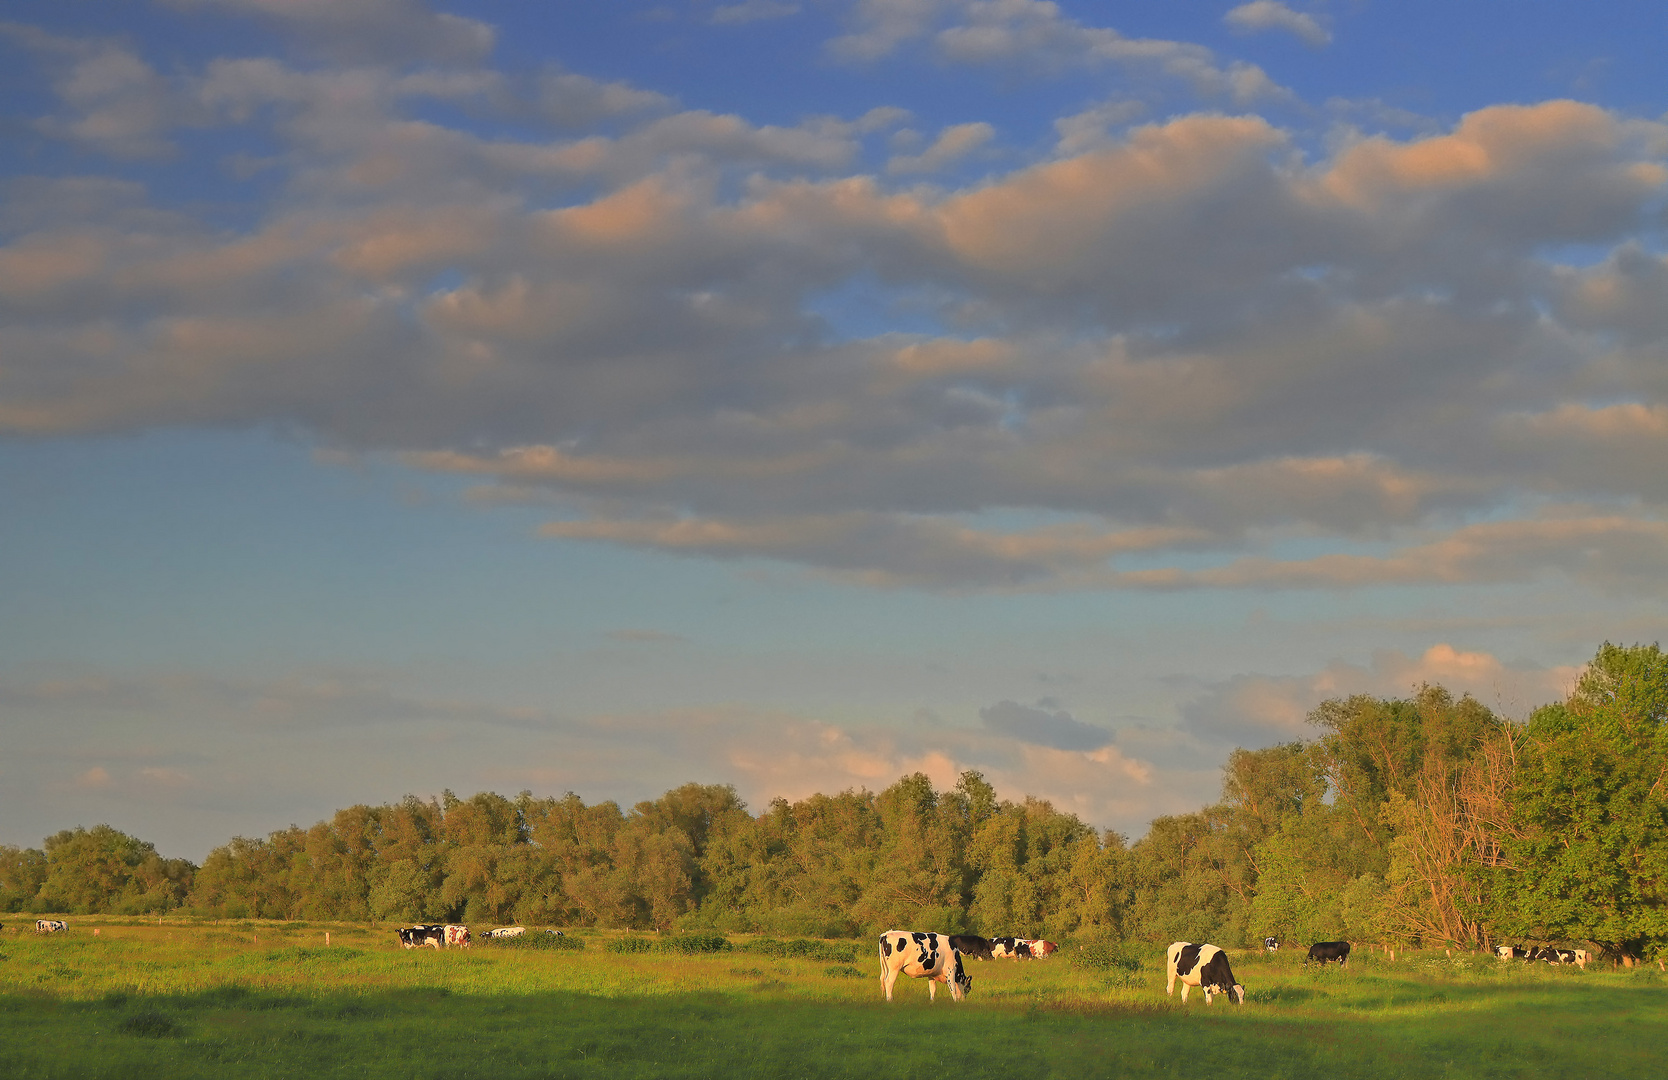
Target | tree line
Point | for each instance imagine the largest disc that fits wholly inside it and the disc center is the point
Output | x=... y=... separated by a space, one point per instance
x=1418 y=820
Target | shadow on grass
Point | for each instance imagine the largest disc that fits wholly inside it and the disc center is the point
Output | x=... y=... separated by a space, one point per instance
x=233 y=1031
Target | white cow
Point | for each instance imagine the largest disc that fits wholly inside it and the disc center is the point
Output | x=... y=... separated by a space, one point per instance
x=922 y=956
x=457 y=935
x=506 y=932
x=50 y=926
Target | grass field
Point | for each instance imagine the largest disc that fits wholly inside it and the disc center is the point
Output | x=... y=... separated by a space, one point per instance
x=183 y=999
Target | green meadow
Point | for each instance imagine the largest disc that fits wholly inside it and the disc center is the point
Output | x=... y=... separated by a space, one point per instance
x=198 y=999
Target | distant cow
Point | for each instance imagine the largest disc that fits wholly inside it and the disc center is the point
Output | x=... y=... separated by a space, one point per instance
x=457 y=935
x=414 y=937
x=1041 y=948
x=1271 y=944
x=971 y=945
x=1010 y=948
x=1511 y=952
x=1578 y=957
x=1204 y=966
x=922 y=956
x=506 y=932
x=50 y=926
x=1324 y=951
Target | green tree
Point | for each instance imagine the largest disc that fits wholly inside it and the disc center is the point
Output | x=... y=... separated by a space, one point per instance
x=1590 y=860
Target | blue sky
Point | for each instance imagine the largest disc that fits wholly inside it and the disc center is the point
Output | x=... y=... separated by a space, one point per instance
x=597 y=397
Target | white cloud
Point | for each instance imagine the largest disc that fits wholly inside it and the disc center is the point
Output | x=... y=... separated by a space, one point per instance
x=1259 y=710
x=953 y=144
x=1260 y=15
x=355 y=30
x=752 y=11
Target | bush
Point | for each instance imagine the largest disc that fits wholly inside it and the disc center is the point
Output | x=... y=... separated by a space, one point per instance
x=842 y=971
x=803 y=949
x=629 y=945
x=544 y=940
x=690 y=944
x=1105 y=957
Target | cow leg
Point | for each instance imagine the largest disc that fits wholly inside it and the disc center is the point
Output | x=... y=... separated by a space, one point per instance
x=932 y=990
x=888 y=978
x=1185 y=988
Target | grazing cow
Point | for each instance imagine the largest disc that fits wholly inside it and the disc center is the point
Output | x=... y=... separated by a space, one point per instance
x=506 y=932
x=1271 y=944
x=457 y=935
x=50 y=926
x=1040 y=948
x=1204 y=966
x=1578 y=957
x=554 y=933
x=1324 y=951
x=922 y=956
x=1010 y=948
x=414 y=937
x=971 y=945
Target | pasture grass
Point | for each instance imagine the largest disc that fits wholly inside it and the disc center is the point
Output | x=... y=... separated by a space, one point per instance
x=197 y=999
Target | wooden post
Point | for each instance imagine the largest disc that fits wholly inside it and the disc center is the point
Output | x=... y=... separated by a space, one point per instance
x=327 y=937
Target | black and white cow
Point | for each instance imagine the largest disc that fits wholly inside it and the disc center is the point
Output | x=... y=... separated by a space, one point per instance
x=1577 y=957
x=50 y=926
x=1204 y=966
x=922 y=956
x=1271 y=944
x=971 y=945
x=1324 y=951
x=1010 y=948
x=1511 y=952
x=505 y=932
x=415 y=937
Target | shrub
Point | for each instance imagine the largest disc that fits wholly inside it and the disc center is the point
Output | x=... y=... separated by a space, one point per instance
x=629 y=945
x=803 y=949
x=1101 y=956
x=690 y=944
x=545 y=941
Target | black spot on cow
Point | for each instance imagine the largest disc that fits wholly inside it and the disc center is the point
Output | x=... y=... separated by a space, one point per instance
x=1188 y=960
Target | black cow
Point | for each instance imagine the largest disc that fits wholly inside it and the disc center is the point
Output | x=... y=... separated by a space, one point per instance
x=413 y=937
x=971 y=945
x=1204 y=966
x=1323 y=951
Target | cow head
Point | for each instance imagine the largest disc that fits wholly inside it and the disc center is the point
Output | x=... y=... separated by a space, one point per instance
x=1237 y=992
x=963 y=980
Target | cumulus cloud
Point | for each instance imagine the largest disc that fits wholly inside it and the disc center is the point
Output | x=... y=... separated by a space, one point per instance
x=356 y=30
x=1035 y=35
x=1043 y=727
x=752 y=11
x=1259 y=710
x=953 y=144
x=1184 y=354
x=1261 y=15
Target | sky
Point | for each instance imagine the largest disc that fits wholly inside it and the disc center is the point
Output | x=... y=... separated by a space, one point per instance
x=797 y=394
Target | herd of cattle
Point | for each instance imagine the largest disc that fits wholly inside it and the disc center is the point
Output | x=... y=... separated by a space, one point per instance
x=937 y=957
